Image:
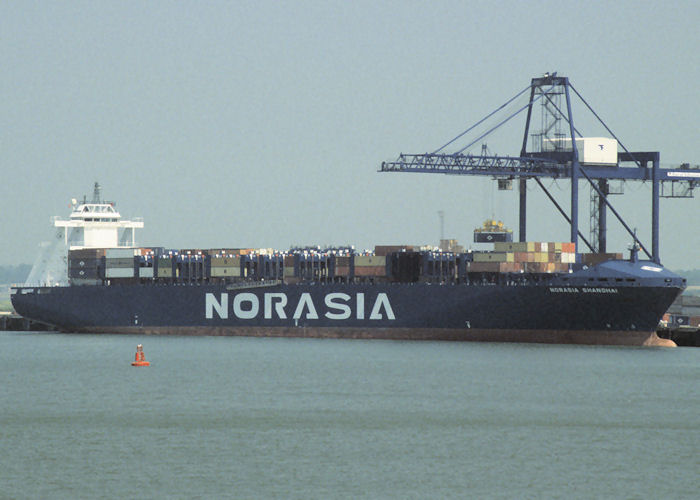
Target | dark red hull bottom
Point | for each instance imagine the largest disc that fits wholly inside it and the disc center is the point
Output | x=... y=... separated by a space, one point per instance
x=611 y=337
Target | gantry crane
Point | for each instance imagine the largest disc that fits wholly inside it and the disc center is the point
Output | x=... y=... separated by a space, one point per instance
x=555 y=153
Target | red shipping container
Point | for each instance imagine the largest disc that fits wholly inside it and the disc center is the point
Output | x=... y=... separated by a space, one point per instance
x=342 y=270
x=384 y=250
x=484 y=267
x=370 y=271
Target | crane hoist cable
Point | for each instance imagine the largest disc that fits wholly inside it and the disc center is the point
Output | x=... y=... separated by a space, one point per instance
x=483 y=119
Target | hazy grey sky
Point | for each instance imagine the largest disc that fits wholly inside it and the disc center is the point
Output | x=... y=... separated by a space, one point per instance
x=264 y=123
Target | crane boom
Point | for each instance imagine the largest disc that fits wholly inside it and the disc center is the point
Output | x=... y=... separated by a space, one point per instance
x=557 y=156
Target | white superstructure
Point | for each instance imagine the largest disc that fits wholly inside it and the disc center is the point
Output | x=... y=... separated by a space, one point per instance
x=96 y=224
x=92 y=224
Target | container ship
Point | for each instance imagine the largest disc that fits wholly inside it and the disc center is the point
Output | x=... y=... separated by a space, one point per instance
x=514 y=292
x=520 y=291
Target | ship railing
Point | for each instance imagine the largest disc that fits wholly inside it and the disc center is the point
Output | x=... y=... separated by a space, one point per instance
x=253 y=284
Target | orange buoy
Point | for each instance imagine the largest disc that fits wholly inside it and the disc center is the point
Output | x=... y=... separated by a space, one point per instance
x=140 y=358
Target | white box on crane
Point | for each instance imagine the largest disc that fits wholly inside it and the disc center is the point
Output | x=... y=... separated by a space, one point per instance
x=591 y=150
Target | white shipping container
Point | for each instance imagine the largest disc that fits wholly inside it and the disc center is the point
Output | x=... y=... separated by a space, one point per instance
x=84 y=282
x=145 y=272
x=119 y=272
x=591 y=150
x=119 y=262
x=120 y=253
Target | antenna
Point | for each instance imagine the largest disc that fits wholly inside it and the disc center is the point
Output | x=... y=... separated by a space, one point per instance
x=96 y=193
x=441 y=214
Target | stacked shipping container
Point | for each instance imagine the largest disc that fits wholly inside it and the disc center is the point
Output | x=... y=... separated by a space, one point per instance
x=386 y=263
x=526 y=257
x=85 y=266
x=225 y=266
x=370 y=265
x=120 y=263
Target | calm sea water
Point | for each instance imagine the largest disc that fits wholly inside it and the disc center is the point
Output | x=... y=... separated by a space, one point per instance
x=302 y=418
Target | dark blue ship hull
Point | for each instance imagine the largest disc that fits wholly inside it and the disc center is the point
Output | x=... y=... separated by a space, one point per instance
x=613 y=303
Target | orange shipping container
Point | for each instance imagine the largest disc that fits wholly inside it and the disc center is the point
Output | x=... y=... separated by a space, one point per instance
x=568 y=247
x=511 y=267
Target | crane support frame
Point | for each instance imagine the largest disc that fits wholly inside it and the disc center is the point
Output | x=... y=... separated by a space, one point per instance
x=559 y=165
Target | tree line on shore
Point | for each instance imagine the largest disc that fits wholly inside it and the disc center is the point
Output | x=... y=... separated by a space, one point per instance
x=14 y=274
x=692 y=275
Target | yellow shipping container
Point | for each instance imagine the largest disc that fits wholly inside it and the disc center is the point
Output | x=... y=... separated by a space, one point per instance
x=526 y=246
x=225 y=261
x=220 y=272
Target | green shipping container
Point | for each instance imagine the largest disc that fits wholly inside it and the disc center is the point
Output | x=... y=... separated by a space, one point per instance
x=493 y=257
x=516 y=246
x=370 y=260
